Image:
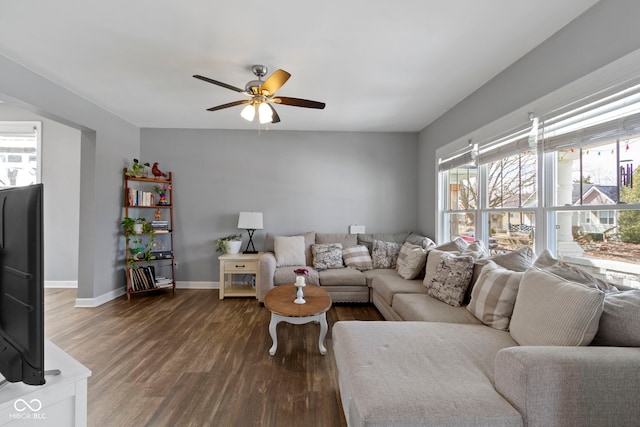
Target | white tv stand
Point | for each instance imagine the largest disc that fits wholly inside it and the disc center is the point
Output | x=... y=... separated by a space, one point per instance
x=62 y=401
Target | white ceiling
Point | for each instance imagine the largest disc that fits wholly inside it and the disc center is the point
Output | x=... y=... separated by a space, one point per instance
x=378 y=65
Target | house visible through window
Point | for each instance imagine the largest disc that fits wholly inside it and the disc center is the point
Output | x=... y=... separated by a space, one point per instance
x=19 y=153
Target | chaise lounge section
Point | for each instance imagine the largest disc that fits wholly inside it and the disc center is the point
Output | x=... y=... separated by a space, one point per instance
x=525 y=346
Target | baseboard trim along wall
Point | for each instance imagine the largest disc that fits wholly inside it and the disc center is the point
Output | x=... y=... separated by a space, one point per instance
x=197 y=285
x=95 y=302
x=61 y=284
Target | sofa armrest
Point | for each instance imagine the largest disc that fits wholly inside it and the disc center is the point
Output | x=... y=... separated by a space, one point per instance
x=267 y=266
x=561 y=386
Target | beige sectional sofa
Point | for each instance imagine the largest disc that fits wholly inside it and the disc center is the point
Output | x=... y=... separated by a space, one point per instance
x=442 y=365
x=343 y=284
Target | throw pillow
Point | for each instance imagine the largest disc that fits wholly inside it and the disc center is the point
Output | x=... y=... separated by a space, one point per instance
x=327 y=255
x=494 y=295
x=458 y=244
x=574 y=274
x=477 y=250
x=385 y=254
x=550 y=310
x=518 y=260
x=289 y=251
x=357 y=257
x=453 y=274
x=411 y=261
x=620 y=321
x=309 y=239
x=433 y=258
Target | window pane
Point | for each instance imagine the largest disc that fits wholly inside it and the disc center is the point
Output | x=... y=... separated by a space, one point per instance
x=512 y=182
x=509 y=231
x=18 y=159
x=605 y=242
x=629 y=174
x=463 y=191
x=588 y=176
x=462 y=225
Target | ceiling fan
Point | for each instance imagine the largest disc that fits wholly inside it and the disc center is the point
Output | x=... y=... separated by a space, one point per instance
x=261 y=95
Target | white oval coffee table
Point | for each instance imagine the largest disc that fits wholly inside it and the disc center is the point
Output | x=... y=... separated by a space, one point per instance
x=279 y=301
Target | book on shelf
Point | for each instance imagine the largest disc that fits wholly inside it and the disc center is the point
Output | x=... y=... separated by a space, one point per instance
x=142 y=278
x=161 y=230
x=140 y=198
x=163 y=281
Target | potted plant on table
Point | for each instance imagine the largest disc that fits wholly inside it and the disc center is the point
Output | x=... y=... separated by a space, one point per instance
x=230 y=244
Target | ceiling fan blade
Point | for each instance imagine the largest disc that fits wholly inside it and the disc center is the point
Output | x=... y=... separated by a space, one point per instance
x=297 y=102
x=276 y=117
x=230 y=104
x=215 y=82
x=275 y=82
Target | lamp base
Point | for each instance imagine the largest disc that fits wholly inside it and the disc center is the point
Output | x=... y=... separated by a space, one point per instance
x=250 y=252
x=251 y=249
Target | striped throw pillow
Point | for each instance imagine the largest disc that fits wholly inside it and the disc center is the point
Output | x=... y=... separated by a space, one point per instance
x=550 y=310
x=494 y=295
x=357 y=257
x=411 y=261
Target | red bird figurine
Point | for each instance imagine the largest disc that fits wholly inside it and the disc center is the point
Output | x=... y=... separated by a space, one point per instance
x=157 y=172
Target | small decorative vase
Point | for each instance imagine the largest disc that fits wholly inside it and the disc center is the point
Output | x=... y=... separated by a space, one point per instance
x=137 y=228
x=163 y=200
x=300 y=284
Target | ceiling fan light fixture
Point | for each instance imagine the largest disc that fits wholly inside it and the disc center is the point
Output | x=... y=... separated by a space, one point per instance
x=248 y=112
x=264 y=113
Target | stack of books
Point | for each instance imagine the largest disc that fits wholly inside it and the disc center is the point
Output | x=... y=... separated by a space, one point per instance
x=160 y=226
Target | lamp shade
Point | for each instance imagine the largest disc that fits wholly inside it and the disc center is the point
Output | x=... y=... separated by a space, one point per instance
x=250 y=220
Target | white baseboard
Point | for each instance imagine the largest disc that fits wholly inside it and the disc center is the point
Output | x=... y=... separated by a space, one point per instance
x=61 y=284
x=94 y=302
x=197 y=285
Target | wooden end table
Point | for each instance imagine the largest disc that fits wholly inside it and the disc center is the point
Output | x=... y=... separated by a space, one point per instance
x=279 y=301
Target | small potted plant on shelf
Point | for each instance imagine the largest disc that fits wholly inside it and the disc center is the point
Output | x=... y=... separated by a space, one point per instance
x=134 y=229
x=138 y=169
x=230 y=244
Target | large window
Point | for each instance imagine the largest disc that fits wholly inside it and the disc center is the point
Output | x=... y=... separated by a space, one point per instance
x=19 y=153
x=571 y=184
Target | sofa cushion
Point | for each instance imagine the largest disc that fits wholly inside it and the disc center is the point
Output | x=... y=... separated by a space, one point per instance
x=385 y=254
x=347 y=240
x=575 y=274
x=417 y=239
x=327 y=255
x=420 y=374
x=452 y=278
x=388 y=285
x=289 y=250
x=286 y=275
x=620 y=320
x=422 y=307
x=342 y=277
x=411 y=261
x=379 y=272
x=550 y=310
x=494 y=295
x=357 y=257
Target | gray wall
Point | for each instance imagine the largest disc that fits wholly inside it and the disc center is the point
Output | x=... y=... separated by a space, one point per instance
x=301 y=181
x=604 y=33
x=107 y=142
x=60 y=173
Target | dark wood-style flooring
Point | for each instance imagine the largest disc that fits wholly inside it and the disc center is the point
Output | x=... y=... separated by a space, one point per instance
x=195 y=360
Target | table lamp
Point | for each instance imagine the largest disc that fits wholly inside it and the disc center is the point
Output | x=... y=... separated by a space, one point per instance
x=250 y=221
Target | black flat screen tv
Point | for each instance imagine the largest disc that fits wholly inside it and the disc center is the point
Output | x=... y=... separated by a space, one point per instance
x=21 y=285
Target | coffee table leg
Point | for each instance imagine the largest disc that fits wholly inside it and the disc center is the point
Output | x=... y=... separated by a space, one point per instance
x=323 y=333
x=274 y=335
